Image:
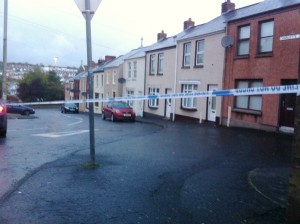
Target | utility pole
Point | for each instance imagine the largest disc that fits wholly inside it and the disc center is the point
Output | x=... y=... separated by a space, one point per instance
x=4 y=96
x=293 y=210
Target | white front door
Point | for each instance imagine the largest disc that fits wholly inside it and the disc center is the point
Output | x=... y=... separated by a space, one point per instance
x=168 y=104
x=212 y=102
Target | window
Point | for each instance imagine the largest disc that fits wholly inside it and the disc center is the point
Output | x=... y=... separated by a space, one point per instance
x=97 y=80
x=134 y=69
x=114 y=78
x=186 y=54
x=97 y=97
x=153 y=102
x=251 y=102
x=130 y=93
x=102 y=82
x=199 y=52
x=244 y=40
x=189 y=103
x=129 y=70
x=266 y=36
x=160 y=63
x=152 y=64
x=107 y=78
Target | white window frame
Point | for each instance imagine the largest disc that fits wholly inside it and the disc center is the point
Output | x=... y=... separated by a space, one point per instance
x=134 y=69
x=129 y=70
x=160 y=63
x=200 y=44
x=243 y=40
x=187 y=54
x=130 y=93
x=153 y=102
x=189 y=102
x=266 y=36
x=152 y=64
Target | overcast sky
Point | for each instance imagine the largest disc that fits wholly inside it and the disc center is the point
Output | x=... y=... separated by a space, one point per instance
x=41 y=30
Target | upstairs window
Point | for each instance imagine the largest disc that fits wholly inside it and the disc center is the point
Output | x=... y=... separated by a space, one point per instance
x=244 y=40
x=160 y=64
x=129 y=70
x=199 y=52
x=152 y=64
x=186 y=54
x=134 y=69
x=266 y=37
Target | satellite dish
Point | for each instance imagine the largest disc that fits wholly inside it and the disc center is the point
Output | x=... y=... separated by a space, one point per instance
x=121 y=80
x=227 y=41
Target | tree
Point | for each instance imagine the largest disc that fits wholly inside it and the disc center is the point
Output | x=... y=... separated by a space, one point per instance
x=37 y=85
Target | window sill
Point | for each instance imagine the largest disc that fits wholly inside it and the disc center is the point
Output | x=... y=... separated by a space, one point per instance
x=153 y=108
x=199 y=66
x=188 y=109
x=245 y=111
x=242 y=56
x=160 y=74
x=186 y=67
x=263 y=55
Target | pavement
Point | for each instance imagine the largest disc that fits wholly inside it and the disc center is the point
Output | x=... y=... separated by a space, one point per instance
x=55 y=187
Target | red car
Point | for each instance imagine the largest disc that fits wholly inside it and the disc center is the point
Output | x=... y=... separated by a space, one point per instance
x=118 y=111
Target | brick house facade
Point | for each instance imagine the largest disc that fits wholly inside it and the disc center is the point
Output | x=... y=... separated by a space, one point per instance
x=260 y=56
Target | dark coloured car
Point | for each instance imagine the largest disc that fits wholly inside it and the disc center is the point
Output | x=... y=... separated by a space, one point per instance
x=69 y=108
x=3 y=121
x=118 y=111
x=19 y=109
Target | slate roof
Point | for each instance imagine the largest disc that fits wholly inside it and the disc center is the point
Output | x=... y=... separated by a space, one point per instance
x=119 y=60
x=261 y=7
x=219 y=23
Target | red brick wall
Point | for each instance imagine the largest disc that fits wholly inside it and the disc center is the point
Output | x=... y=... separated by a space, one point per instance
x=283 y=64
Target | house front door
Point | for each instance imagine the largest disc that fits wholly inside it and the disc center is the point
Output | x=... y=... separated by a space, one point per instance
x=212 y=109
x=287 y=106
x=168 y=104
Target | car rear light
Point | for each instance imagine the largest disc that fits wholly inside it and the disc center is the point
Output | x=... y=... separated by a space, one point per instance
x=2 y=109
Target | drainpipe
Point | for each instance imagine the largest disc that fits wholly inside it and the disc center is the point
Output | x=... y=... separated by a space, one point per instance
x=175 y=81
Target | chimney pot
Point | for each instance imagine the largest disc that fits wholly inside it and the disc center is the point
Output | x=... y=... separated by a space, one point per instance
x=187 y=24
x=161 y=35
x=227 y=6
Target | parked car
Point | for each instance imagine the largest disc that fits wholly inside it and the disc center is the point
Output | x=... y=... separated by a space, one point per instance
x=19 y=109
x=3 y=121
x=69 y=107
x=118 y=111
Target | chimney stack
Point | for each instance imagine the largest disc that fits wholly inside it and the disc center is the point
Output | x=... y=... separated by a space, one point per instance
x=187 y=24
x=161 y=36
x=227 y=6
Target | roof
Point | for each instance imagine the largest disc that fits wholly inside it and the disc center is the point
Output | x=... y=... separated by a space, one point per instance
x=259 y=8
x=219 y=23
x=120 y=60
x=170 y=41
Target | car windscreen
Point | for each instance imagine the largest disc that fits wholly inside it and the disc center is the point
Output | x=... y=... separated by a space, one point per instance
x=121 y=105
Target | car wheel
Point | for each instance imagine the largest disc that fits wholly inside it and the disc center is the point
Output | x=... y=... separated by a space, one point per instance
x=26 y=113
x=103 y=116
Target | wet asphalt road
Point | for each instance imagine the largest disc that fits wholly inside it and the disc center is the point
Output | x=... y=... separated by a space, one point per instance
x=163 y=173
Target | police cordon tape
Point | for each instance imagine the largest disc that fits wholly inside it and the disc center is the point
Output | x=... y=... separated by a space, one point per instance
x=263 y=90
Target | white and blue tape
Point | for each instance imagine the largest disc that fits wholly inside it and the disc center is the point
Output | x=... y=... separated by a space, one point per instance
x=285 y=89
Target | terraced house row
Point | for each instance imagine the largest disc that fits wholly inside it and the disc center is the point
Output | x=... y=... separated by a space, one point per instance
x=253 y=46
